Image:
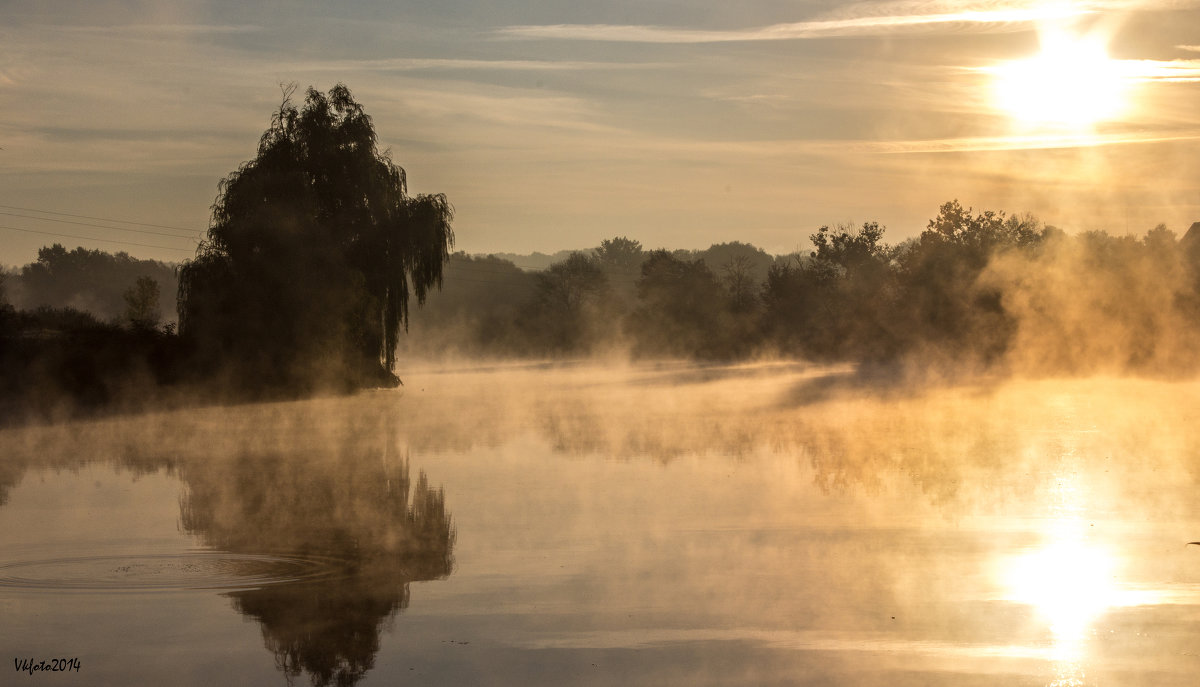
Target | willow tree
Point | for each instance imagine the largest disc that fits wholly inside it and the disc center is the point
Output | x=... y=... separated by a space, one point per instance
x=312 y=253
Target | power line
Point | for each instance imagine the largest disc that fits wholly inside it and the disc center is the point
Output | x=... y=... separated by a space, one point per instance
x=101 y=226
x=99 y=219
x=91 y=238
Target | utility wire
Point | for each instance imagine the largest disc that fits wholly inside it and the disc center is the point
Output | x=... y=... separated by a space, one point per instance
x=92 y=238
x=99 y=219
x=101 y=226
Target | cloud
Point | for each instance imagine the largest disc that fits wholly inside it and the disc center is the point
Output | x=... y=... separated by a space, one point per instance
x=1034 y=142
x=1171 y=71
x=1146 y=71
x=682 y=149
x=163 y=29
x=868 y=21
x=442 y=64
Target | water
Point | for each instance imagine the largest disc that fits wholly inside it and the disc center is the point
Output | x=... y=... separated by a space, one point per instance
x=576 y=524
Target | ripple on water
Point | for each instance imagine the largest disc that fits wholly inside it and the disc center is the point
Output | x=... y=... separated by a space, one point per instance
x=158 y=572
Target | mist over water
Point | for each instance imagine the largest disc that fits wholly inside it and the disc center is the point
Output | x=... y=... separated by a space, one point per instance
x=584 y=523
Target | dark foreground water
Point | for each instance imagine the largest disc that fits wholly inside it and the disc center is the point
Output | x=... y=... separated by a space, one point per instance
x=671 y=525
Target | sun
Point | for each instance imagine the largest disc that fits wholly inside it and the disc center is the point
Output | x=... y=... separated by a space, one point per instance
x=1072 y=84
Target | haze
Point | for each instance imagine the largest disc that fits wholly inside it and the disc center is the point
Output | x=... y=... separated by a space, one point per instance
x=673 y=524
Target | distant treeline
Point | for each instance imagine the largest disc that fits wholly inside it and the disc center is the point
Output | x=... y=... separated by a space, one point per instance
x=83 y=329
x=91 y=281
x=975 y=290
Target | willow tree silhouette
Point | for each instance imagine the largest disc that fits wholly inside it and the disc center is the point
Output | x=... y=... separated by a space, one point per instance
x=312 y=252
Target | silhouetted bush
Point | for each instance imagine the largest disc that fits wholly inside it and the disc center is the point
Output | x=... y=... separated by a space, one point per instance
x=58 y=362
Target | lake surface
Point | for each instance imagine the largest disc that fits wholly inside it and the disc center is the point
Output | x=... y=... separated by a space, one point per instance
x=767 y=524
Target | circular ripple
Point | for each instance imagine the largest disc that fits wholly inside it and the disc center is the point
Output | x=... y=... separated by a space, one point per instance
x=183 y=571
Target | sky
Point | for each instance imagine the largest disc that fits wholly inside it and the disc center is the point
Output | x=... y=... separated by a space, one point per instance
x=554 y=124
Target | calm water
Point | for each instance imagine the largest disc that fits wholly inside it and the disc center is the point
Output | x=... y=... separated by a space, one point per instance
x=752 y=525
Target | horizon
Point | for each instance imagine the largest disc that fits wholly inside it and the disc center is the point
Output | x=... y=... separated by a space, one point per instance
x=549 y=126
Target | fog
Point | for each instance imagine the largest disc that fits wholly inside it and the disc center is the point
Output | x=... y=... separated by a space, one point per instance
x=979 y=294
x=657 y=523
x=660 y=523
x=1096 y=304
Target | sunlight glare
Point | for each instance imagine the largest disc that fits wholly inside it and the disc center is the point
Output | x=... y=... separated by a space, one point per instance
x=1069 y=584
x=1071 y=83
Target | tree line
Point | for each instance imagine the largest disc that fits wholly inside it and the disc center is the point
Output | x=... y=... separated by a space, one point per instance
x=115 y=288
x=978 y=290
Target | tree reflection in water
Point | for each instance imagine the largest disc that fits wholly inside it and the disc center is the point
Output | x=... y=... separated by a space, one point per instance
x=378 y=529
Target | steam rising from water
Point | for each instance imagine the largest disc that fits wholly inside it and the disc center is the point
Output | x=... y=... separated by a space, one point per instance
x=772 y=517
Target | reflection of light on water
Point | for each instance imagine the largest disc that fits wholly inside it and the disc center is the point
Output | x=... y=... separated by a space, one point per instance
x=1071 y=579
x=1069 y=584
x=1068 y=581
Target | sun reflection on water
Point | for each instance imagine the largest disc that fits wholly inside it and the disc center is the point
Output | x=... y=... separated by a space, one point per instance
x=1069 y=580
x=1069 y=583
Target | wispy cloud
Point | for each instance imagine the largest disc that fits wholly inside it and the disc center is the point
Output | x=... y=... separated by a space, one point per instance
x=441 y=64
x=1171 y=71
x=801 y=148
x=162 y=29
x=868 y=18
x=870 y=22
x=1168 y=71
x=1031 y=142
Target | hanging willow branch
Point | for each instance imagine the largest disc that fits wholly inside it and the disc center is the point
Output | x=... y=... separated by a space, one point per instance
x=320 y=241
